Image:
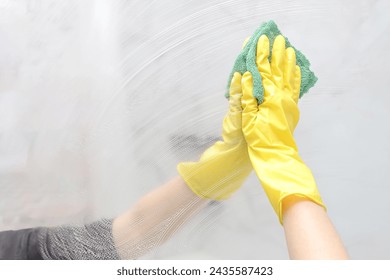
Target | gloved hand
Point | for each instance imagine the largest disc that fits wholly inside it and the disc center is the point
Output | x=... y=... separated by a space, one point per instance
x=268 y=128
x=224 y=166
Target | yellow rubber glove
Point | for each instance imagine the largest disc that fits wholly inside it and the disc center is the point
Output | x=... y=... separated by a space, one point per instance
x=224 y=166
x=268 y=128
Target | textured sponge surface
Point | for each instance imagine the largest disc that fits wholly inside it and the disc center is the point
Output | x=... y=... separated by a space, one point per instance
x=246 y=61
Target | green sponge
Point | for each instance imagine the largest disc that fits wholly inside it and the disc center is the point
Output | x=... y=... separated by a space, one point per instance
x=246 y=61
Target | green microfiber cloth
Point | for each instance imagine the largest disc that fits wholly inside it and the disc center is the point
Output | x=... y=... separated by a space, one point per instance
x=246 y=61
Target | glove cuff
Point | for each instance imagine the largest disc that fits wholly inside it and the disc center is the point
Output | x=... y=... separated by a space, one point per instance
x=220 y=172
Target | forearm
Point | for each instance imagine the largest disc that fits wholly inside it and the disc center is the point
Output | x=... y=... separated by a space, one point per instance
x=309 y=231
x=154 y=218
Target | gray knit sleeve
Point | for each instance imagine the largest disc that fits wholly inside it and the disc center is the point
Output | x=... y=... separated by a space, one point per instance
x=87 y=242
x=20 y=244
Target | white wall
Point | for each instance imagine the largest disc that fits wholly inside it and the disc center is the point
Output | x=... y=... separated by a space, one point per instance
x=93 y=95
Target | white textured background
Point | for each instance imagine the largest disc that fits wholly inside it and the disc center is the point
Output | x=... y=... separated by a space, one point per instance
x=99 y=100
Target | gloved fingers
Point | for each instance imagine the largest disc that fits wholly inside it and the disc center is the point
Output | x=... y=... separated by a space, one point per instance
x=262 y=55
x=289 y=70
x=248 y=101
x=297 y=83
x=235 y=93
x=277 y=61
